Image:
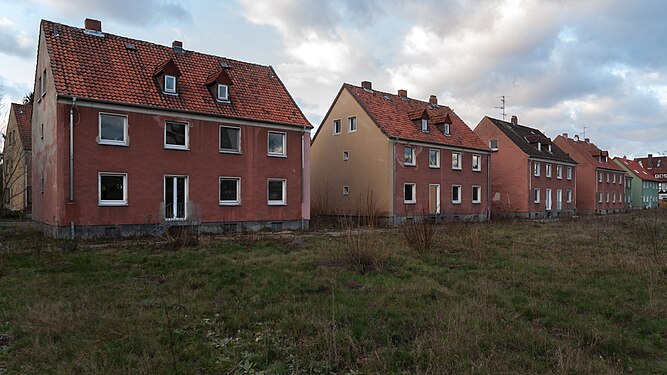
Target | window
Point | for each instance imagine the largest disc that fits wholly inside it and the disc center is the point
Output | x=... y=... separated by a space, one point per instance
x=230 y=191
x=425 y=125
x=346 y=190
x=613 y=198
x=113 y=130
x=336 y=127
x=346 y=155
x=456 y=194
x=409 y=193
x=600 y=197
x=548 y=170
x=607 y=197
x=456 y=160
x=42 y=84
x=569 y=196
x=493 y=144
x=176 y=135
x=409 y=156
x=539 y=146
x=476 y=163
x=569 y=173
x=277 y=144
x=230 y=139
x=476 y=194
x=169 y=84
x=175 y=197
x=39 y=88
x=559 y=199
x=42 y=191
x=607 y=177
x=613 y=177
x=42 y=132
x=446 y=128
x=547 y=199
x=223 y=92
x=112 y=189
x=434 y=158
x=536 y=168
x=351 y=124
x=277 y=192
x=536 y=195
x=599 y=176
x=559 y=172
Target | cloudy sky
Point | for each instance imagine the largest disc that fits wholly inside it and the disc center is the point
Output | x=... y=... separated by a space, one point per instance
x=562 y=64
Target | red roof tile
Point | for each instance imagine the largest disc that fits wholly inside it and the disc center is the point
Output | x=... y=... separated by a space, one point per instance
x=23 y=114
x=394 y=115
x=104 y=68
x=658 y=167
x=587 y=150
x=637 y=169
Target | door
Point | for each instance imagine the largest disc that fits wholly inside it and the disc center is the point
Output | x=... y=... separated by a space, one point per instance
x=175 y=197
x=559 y=199
x=547 y=199
x=434 y=199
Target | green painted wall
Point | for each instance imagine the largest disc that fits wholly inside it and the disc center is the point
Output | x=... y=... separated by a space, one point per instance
x=644 y=193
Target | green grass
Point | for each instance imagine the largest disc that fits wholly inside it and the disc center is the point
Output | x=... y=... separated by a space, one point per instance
x=569 y=297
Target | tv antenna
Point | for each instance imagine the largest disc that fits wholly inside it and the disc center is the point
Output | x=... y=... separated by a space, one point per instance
x=502 y=106
x=584 y=132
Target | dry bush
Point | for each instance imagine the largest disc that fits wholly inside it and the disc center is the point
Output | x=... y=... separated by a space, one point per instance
x=363 y=250
x=652 y=232
x=182 y=236
x=420 y=234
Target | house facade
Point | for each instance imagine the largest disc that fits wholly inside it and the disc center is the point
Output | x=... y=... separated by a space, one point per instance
x=600 y=181
x=17 y=160
x=530 y=176
x=129 y=137
x=656 y=165
x=644 y=186
x=388 y=155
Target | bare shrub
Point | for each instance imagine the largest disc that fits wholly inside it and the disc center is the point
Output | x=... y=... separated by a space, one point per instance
x=652 y=232
x=419 y=232
x=363 y=249
x=182 y=236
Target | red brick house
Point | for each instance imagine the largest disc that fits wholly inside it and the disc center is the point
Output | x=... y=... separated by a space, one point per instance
x=600 y=181
x=657 y=165
x=530 y=176
x=398 y=156
x=128 y=134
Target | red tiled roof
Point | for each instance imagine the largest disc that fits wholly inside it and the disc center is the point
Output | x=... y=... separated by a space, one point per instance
x=105 y=69
x=586 y=150
x=23 y=114
x=659 y=166
x=637 y=169
x=394 y=115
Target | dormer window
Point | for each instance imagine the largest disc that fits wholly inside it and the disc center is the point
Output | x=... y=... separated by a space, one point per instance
x=424 y=125
x=539 y=146
x=169 y=84
x=223 y=92
x=447 y=128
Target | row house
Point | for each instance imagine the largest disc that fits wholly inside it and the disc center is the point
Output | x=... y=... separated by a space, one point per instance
x=530 y=176
x=600 y=181
x=397 y=157
x=130 y=136
x=643 y=185
x=657 y=166
x=17 y=160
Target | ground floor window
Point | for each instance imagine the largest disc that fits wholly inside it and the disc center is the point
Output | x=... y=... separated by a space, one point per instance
x=277 y=194
x=230 y=190
x=112 y=189
x=456 y=194
x=409 y=193
x=476 y=194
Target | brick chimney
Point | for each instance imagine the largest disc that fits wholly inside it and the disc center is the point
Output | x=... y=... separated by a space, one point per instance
x=403 y=93
x=514 y=120
x=565 y=135
x=177 y=46
x=587 y=140
x=433 y=100
x=650 y=161
x=91 y=24
x=368 y=85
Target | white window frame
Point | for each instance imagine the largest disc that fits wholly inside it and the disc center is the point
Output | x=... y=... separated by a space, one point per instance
x=479 y=194
x=237 y=201
x=186 y=146
x=226 y=150
x=456 y=156
x=559 y=199
x=548 y=199
x=223 y=98
x=333 y=126
x=43 y=84
x=613 y=178
x=600 y=176
x=456 y=200
x=447 y=129
x=346 y=155
x=424 y=125
x=437 y=159
x=547 y=169
x=283 y=201
x=352 y=120
x=186 y=193
x=413 y=156
x=536 y=195
x=346 y=190
x=569 y=173
x=536 y=168
x=276 y=154
x=111 y=142
x=600 y=197
x=479 y=163
x=569 y=195
x=414 y=193
x=108 y=203
x=167 y=78
x=607 y=177
x=607 y=200
x=559 y=171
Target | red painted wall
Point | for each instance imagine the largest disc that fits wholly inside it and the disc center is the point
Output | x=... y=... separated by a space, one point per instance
x=543 y=182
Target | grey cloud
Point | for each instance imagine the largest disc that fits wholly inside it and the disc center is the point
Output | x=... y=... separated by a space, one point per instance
x=11 y=45
x=130 y=12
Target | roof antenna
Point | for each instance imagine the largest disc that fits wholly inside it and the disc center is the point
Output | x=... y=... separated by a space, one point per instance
x=502 y=106
x=584 y=132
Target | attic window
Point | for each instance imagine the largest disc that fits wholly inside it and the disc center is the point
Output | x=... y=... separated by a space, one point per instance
x=447 y=129
x=223 y=92
x=539 y=146
x=425 y=125
x=493 y=144
x=169 y=84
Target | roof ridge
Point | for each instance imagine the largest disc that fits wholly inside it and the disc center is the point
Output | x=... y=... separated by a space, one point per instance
x=397 y=96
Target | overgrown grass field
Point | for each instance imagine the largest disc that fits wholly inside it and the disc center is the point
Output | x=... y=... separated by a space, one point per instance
x=583 y=296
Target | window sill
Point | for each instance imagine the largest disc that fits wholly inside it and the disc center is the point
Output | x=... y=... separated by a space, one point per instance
x=177 y=148
x=170 y=93
x=434 y=167
x=223 y=101
x=352 y=131
x=112 y=204
x=404 y=202
x=277 y=203
x=409 y=165
x=230 y=152
x=476 y=170
x=109 y=143
x=277 y=155
x=229 y=204
x=336 y=133
x=453 y=202
x=476 y=202
x=456 y=169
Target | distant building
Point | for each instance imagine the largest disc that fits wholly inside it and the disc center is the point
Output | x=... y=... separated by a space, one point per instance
x=530 y=176
x=657 y=165
x=17 y=160
x=644 y=184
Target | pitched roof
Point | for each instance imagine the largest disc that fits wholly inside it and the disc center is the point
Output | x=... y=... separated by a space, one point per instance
x=589 y=152
x=525 y=138
x=659 y=166
x=23 y=115
x=395 y=116
x=636 y=169
x=107 y=68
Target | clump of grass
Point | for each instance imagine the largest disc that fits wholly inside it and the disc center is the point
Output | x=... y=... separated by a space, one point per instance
x=362 y=248
x=419 y=234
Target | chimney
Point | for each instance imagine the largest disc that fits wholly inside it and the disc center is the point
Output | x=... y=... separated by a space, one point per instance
x=587 y=140
x=650 y=161
x=91 y=24
x=515 y=120
x=565 y=135
x=177 y=46
x=403 y=93
x=433 y=100
x=576 y=137
x=367 y=85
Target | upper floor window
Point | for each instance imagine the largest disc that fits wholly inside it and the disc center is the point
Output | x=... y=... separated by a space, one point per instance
x=493 y=144
x=447 y=128
x=548 y=170
x=176 y=135
x=169 y=84
x=230 y=139
x=336 y=127
x=599 y=176
x=42 y=84
x=223 y=92
x=476 y=163
x=434 y=158
x=409 y=156
x=456 y=160
x=277 y=145
x=536 y=168
x=569 y=173
x=607 y=177
x=424 y=125
x=613 y=178
x=351 y=124
x=559 y=172
x=112 y=130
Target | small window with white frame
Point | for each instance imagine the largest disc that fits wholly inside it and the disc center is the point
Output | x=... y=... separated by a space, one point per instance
x=112 y=189
x=476 y=194
x=409 y=193
x=346 y=155
x=559 y=172
x=607 y=177
x=456 y=194
x=456 y=160
x=600 y=197
x=346 y=190
x=548 y=170
x=425 y=125
x=336 y=127
x=230 y=191
x=176 y=135
x=569 y=196
x=223 y=92
x=434 y=158
x=277 y=192
x=351 y=124
x=607 y=200
x=476 y=163
x=569 y=173
x=536 y=168
x=447 y=128
x=169 y=84
x=230 y=139
x=409 y=156
x=112 y=130
x=536 y=195
x=613 y=177
x=277 y=144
